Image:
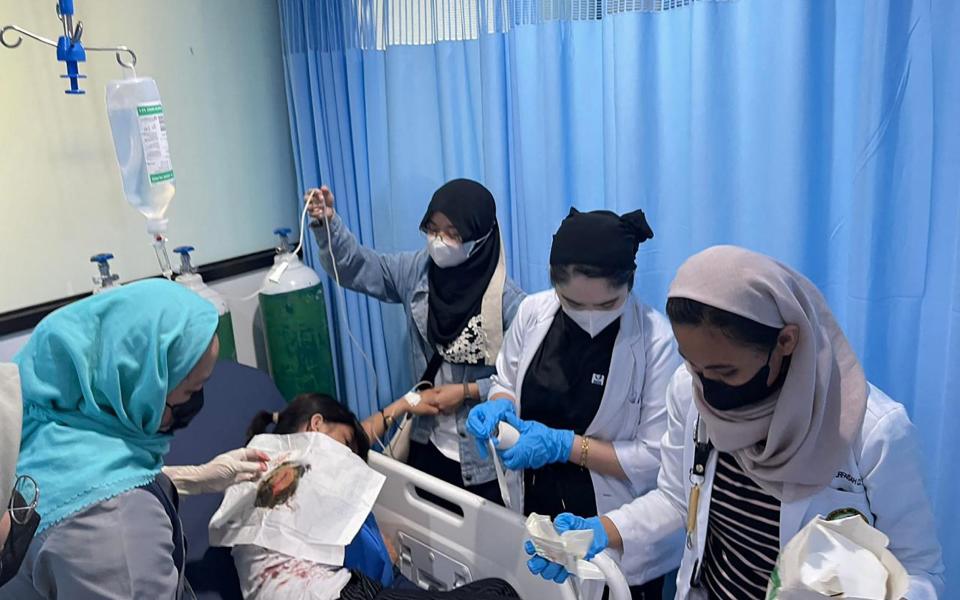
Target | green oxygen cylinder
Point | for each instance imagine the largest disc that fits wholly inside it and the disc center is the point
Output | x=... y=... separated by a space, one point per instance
x=191 y=279
x=294 y=316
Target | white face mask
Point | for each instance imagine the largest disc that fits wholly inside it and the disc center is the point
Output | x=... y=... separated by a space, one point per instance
x=595 y=321
x=446 y=255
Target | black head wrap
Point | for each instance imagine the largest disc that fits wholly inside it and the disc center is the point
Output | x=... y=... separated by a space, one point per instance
x=456 y=293
x=600 y=238
x=469 y=206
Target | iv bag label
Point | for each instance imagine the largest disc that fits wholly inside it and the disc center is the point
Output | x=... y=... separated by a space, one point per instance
x=153 y=134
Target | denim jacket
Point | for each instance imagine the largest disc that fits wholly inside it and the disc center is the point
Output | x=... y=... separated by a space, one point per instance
x=401 y=278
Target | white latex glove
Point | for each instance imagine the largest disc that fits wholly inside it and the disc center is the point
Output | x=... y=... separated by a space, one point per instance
x=236 y=466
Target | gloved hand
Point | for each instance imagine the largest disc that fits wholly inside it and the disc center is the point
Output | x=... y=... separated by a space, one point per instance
x=570 y=522
x=538 y=445
x=483 y=420
x=538 y=565
x=244 y=464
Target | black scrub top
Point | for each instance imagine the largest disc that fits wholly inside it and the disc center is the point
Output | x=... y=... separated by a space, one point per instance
x=562 y=389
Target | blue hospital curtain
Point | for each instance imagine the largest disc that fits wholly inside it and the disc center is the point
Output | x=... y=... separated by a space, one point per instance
x=826 y=134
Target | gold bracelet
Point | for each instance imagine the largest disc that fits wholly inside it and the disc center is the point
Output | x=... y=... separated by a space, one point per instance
x=584 y=451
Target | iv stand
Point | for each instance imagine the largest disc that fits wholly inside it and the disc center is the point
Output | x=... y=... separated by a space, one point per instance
x=70 y=48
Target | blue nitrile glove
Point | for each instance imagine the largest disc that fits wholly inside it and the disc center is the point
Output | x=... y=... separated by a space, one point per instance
x=538 y=565
x=538 y=445
x=570 y=522
x=483 y=419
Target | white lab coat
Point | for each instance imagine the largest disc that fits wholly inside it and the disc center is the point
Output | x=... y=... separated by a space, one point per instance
x=881 y=479
x=632 y=413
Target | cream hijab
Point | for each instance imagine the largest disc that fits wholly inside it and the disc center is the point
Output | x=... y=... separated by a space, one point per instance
x=804 y=432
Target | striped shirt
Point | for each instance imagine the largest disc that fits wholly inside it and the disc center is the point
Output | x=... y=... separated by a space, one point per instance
x=743 y=536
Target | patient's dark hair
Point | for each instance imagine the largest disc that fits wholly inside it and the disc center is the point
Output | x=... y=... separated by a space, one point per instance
x=299 y=412
x=683 y=311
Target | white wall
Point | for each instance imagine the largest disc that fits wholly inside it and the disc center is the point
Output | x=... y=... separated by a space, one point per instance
x=246 y=327
x=219 y=68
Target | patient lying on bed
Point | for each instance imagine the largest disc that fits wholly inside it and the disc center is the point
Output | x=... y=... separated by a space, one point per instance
x=281 y=552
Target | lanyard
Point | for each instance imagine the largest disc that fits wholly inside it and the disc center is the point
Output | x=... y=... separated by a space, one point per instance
x=701 y=453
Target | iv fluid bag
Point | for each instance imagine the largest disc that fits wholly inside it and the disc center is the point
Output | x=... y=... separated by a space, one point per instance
x=139 y=129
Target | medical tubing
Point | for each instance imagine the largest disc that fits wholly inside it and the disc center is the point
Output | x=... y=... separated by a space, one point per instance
x=507 y=436
x=295 y=252
x=389 y=446
x=501 y=475
x=160 y=247
x=342 y=302
x=302 y=229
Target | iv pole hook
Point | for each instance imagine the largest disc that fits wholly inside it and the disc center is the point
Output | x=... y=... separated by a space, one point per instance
x=128 y=62
x=16 y=43
x=119 y=50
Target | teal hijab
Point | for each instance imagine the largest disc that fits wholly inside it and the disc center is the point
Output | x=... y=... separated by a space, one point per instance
x=95 y=377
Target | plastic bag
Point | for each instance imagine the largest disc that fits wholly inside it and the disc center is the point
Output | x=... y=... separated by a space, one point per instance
x=844 y=558
x=567 y=549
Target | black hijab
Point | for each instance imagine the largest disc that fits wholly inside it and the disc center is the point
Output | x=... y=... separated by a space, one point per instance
x=456 y=293
x=600 y=238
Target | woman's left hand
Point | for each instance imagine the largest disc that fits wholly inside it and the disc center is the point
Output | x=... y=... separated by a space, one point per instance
x=538 y=445
x=447 y=397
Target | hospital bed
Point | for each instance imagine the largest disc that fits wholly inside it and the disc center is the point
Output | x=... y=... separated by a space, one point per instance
x=444 y=535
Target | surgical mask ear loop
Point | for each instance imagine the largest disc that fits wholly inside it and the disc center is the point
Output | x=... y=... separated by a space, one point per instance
x=342 y=303
x=480 y=242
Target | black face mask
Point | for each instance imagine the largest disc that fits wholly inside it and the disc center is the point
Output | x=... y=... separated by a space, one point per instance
x=723 y=397
x=15 y=548
x=184 y=413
